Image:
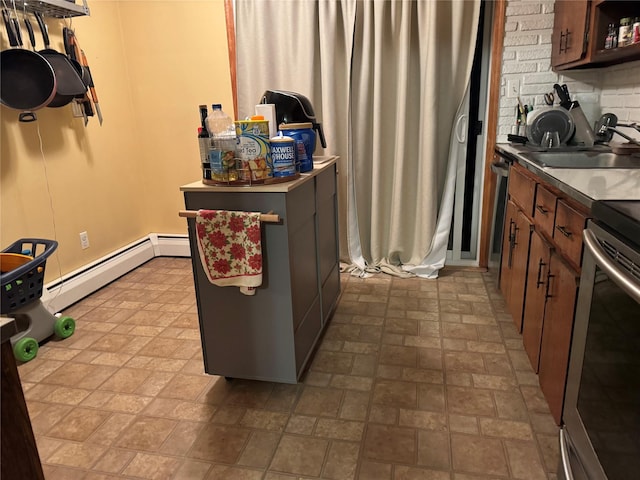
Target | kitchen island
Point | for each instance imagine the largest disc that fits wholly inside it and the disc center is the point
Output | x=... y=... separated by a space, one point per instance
x=271 y=335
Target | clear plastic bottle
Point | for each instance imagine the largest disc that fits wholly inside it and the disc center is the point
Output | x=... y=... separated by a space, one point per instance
x=222 y=156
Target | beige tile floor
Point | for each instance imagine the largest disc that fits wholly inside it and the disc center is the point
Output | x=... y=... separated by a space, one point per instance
x=414 y=379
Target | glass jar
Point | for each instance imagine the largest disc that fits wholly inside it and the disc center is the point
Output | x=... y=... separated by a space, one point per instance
x=625 y=32
x=611 y=40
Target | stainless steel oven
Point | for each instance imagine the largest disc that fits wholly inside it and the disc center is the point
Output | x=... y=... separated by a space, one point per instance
x=600 y=438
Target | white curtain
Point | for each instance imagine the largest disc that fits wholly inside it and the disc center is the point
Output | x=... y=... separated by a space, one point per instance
x=386 y=79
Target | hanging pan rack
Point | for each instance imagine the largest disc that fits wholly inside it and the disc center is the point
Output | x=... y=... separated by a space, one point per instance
x=52 y=8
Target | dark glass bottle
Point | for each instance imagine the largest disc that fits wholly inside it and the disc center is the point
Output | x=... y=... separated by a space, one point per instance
x=204 y=143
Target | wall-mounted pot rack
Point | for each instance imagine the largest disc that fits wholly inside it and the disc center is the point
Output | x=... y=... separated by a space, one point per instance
x=53 y=8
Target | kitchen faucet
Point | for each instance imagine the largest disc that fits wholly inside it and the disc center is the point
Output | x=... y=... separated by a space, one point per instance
x=608 y=123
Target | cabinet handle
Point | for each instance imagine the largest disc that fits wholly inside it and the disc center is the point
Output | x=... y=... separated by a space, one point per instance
x=561 y=39
x=546 y=293
x=538 y=281
x=511 y=242
x=541 y=209
x=563 y=230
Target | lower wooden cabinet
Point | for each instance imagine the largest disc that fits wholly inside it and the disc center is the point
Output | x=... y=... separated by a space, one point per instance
x=514 y=265
x=542 y=248
x=536 y=295
x=556 y=333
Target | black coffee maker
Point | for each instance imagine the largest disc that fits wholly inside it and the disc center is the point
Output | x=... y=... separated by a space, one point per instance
x=293 y=107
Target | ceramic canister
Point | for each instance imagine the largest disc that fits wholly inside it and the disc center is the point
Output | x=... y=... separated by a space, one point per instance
x=305 y=138
x=253 y=149
x=283 y=156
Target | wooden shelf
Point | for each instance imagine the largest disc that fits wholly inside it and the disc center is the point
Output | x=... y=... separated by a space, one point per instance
x=616 y=55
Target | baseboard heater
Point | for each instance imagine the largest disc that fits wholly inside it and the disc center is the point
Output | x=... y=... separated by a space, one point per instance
x=73 y=287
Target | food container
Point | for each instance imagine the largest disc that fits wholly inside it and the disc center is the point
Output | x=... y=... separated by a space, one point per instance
x=283 y=156
x=253 y=150
x=222 y=157
x=625 y=32
x=305 y=138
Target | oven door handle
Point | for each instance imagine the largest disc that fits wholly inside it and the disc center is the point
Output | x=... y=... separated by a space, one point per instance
x=564 y=457
x=628 y=283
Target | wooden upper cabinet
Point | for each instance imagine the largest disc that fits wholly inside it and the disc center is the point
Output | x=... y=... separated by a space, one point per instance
x=569 y=37
x=580 y=29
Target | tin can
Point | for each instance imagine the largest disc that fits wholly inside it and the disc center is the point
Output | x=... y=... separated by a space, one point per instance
x=254 y=150
x=283 y=156
x=305 y=139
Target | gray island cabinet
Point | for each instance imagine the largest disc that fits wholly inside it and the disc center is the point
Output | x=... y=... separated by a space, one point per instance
x=271 y=335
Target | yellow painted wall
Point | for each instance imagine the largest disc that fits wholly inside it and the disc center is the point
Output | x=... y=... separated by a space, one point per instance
x=153 y=63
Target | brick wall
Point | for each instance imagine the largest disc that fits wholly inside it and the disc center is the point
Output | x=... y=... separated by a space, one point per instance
x=526 y=72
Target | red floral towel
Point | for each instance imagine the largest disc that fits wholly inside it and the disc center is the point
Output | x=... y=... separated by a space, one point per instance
x=230 y=248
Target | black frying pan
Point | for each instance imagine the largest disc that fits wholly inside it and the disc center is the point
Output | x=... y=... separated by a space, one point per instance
x=69 y=82
x=27 y=80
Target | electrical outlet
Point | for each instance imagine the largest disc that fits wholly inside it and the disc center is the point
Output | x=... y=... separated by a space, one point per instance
x=513 y=88
x=84 y=240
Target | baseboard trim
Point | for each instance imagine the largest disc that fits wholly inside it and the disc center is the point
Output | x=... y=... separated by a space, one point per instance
x=167 y=245
x=73 y=287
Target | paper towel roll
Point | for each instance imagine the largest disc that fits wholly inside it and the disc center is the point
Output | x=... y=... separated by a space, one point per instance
x=268 y=111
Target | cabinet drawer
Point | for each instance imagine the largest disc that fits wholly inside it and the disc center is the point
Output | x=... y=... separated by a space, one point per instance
x=544 y=212
x=568 y=232
x=522 y=189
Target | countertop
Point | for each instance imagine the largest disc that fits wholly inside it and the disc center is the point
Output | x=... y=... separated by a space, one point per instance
x=583 y=184
x=8 y=328
x=319 y=164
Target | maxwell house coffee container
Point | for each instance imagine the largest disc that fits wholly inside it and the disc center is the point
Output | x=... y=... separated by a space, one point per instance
x=305 y=138
x=283 y=156
x=253 y=149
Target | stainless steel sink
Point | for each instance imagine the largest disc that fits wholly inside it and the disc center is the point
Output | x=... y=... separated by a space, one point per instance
x=583 y=159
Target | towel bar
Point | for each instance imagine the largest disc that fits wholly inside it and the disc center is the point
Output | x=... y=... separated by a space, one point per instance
x=264 y=217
